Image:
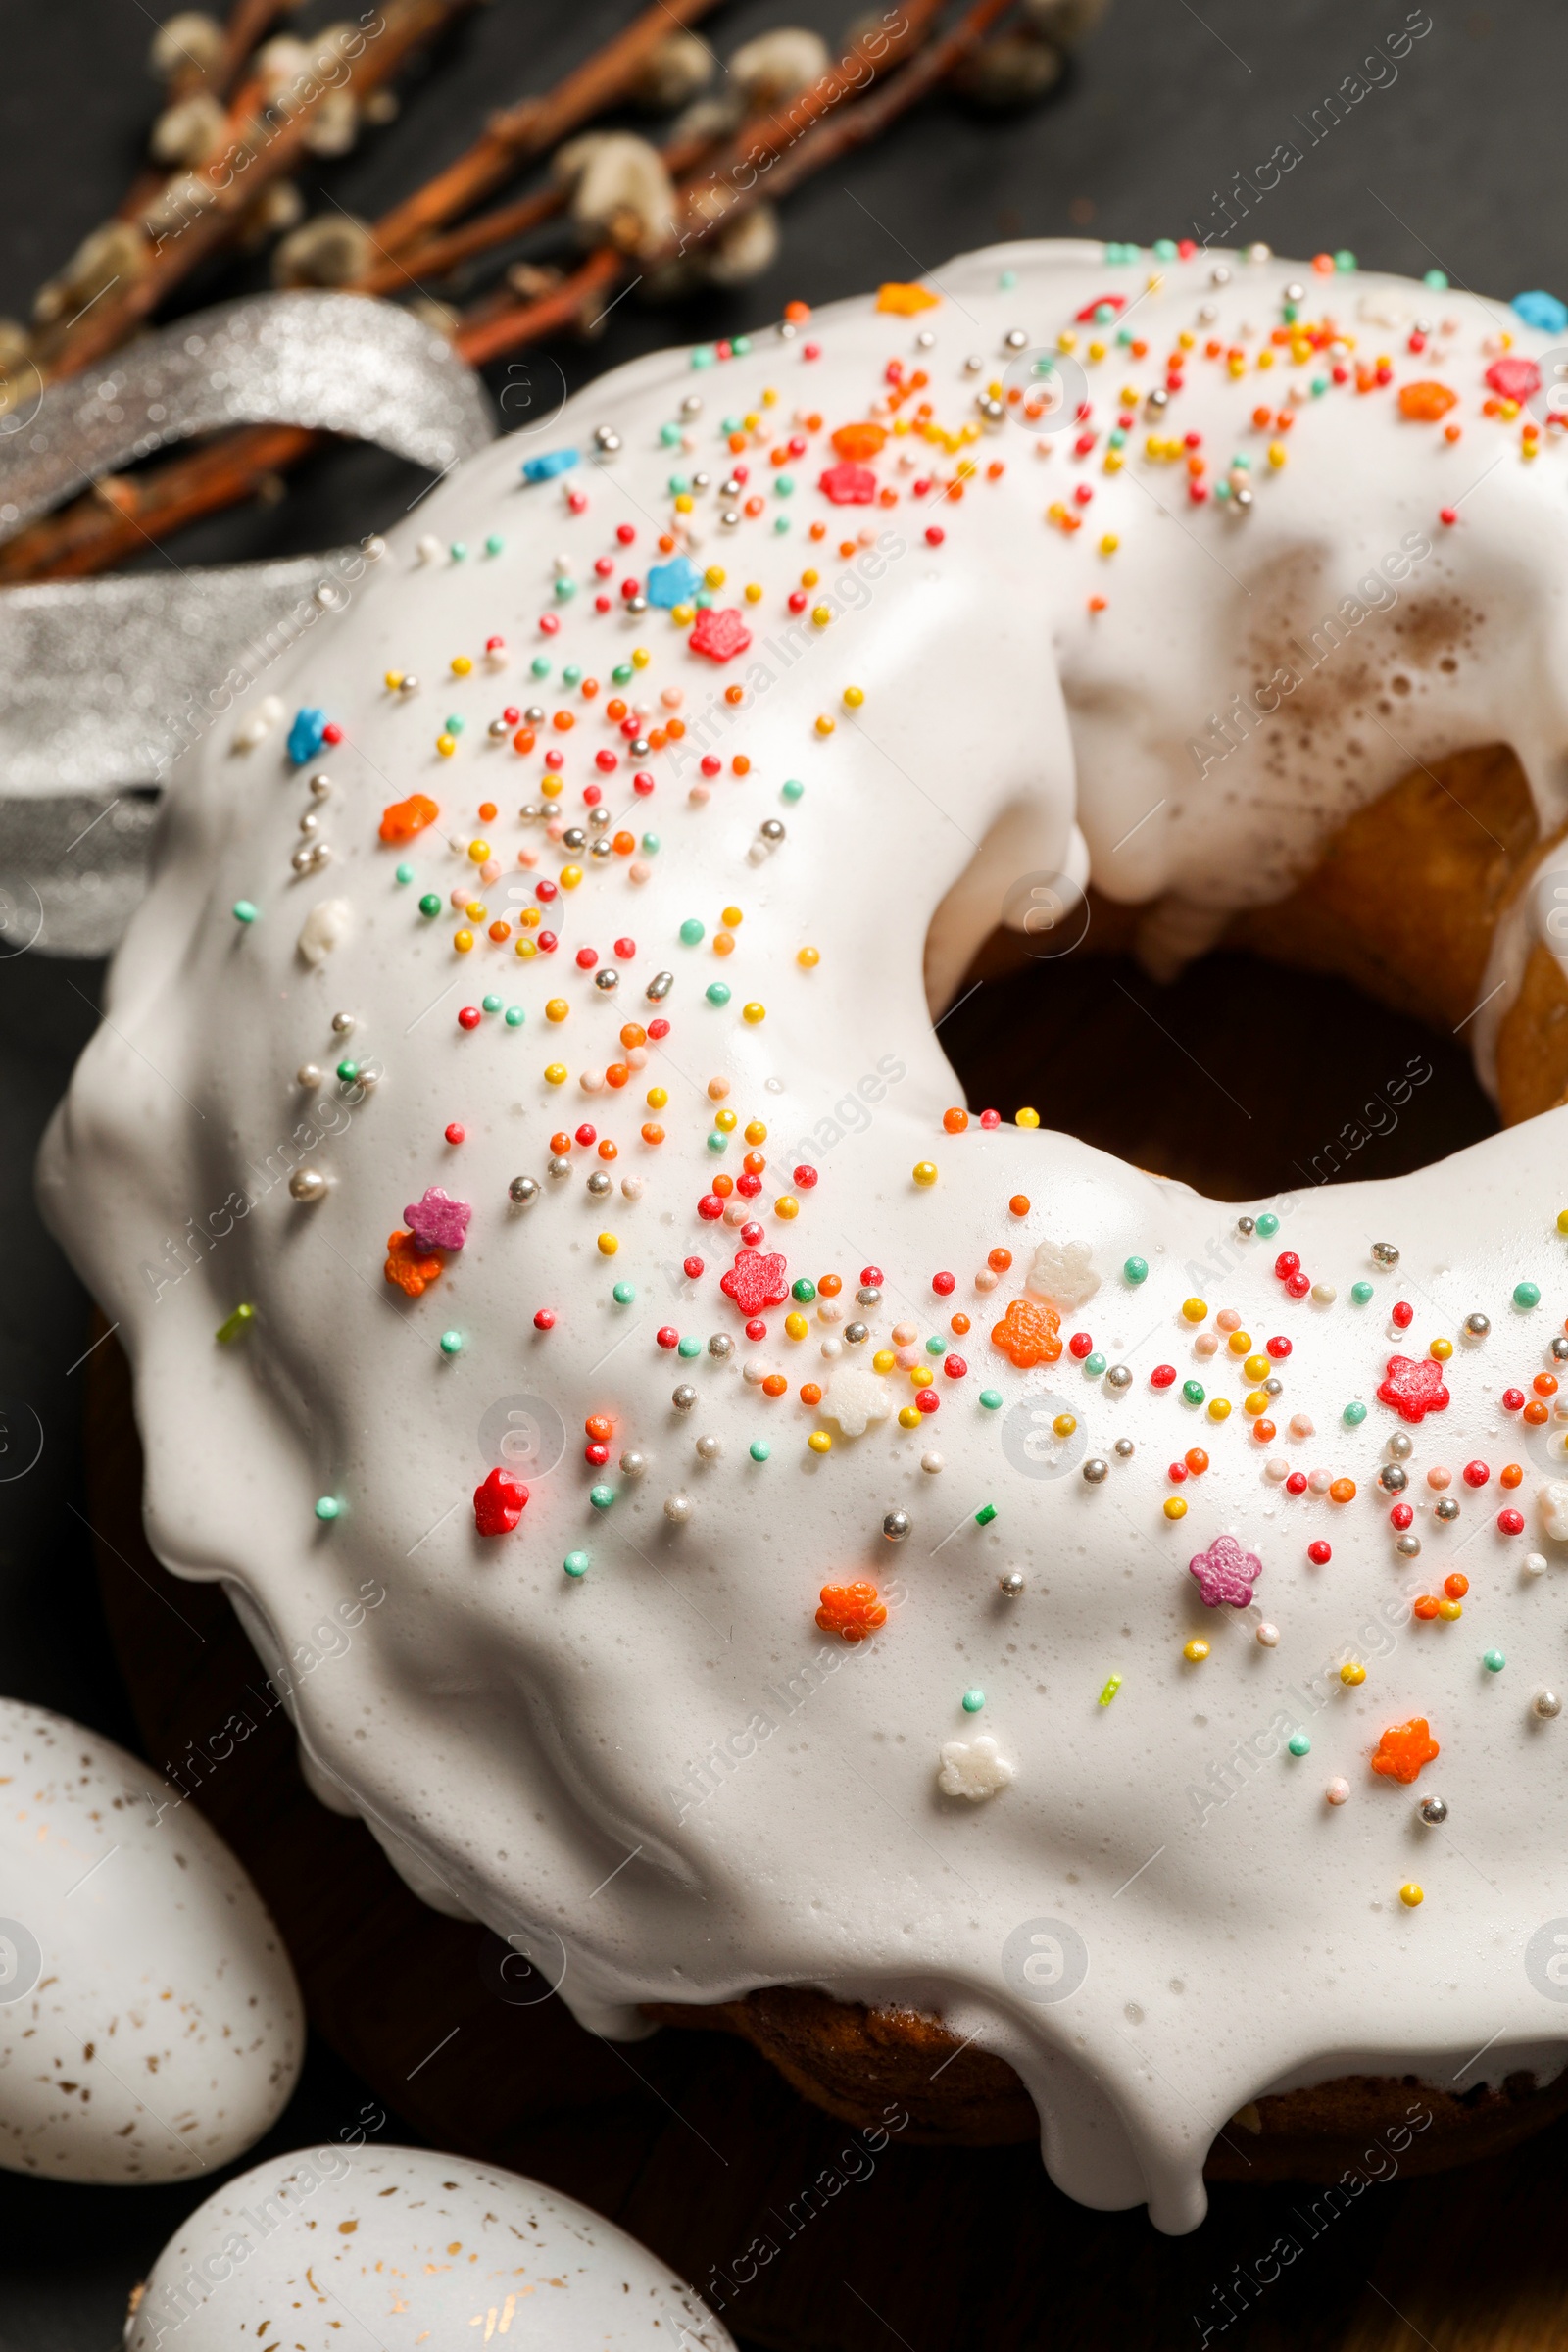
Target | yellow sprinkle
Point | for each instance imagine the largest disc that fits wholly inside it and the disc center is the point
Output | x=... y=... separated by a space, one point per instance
x=607 y=1245
x=1064 y=1424
x=1096 y=351
x=854 y=696
x=715 y=575
x=909 y=1417
x=657 y=1098
x=754 y=1013
x=394 y=680
x=1066 y=340
x=1410 y=1894
x=1109 y=544
x=883 y=1361
x=726 y=1121
x=1239 y=1341
x=446 y=745
x=1257 y=1367
x=557 y=1009
x=825 y=725
x=550 y=787
x=1153 y=283
x=460 y=665
x=1027 y=1117
x=786 y=1207
x=1193 y=1309
x=1219 y=1408
x=753 y=592
x=819 y=1442
x=821 y=615
x=1265 y=358
x=640 y=657
x=1113 y=462
x=570 y=876
x=462 y=941
x=684 y=504
x=1448 y=1610
x=1352 y=1672
x=526 y=946
x=478 y=851
x=769 y=397
x=756 y=1132
x=1277 y=453
x=1195 y=1651
x=921 y=1376
x=1257 y=1403
x=476 y=911
x=555 y=1073
x=733 y=917
x=808 y=580
x=925 y=1171
x=1187 y=338
x=1110 y=1692
x=1175 y=1508
x=809 y=957
x=1442 y=1349
x=797 y=1326
x=1562 y=1220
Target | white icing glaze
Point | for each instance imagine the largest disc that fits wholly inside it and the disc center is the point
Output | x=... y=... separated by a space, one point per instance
x=418 y=2248
x=661 y=1774
x=150 y=2025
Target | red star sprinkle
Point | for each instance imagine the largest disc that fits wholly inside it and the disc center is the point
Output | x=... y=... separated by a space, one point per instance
x=498 y=1504
x=719 y=635
x=849 y=485
x=1414 y=1389
x=1514 y=378
x=1404 y=1748
x=755 y=1280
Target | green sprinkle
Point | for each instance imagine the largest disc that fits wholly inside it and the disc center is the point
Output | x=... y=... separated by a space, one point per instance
x=453 y=726
x=1110 y=1692
x=717 y=1141
x=430 y=904
x=404 y=873
x=571 y=675
x=1344 y=260
x=651 y=843
x=937 y=1345
x=1354 y=1414
x=1299 y=1745
x=791 y=788
x=1192 y=1391
x=1319 y=385
x=741 y=346
x=240 y=1320
x=677 y=485
x=1094 y=1363
x=973 y=1702
x=457 y=550
x=1165 y=249
x=690 y=932
x=348 y=1071
x=991 y=1398
x=804 y=1289
x=985 y=1514
x=703 y=355
x=1361 y=1292
x=1268 y=1225
x=452 y=1343
x=1527 y=1294
x=1494 y=1661
x=494 y=544
x=732 y=424
x=515 y=1017
x=784 y=486
x=1437 y=280
x=245 y=911
x=565 y=588
x=491 y=1003
x=1008 y=281
x=624 y=1292
x=623 y=674
x=540 y=666
x=1135 y=1269
x=670 y=436
x=781 y=522
x=760 y=1449
x=688 y=1346
x=575 y=1563
x=327 y=1506
x=601 y=1497
x=717 y=992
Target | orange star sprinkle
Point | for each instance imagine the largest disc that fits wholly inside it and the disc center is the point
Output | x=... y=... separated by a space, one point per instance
x=410 y=1268
x=905 y=301
x=404 y=819
x=860 y=442
x=1426 y=403
x=1404 y=1748
x=1027 y=1333
x=852 y=1610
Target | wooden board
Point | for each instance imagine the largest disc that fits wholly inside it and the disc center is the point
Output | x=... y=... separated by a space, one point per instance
x=691 y=2140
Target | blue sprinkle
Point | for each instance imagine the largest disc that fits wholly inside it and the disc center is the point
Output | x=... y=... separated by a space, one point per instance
x=305 y=735
x=673 y=583
x=546 y=468
x=1544 y=310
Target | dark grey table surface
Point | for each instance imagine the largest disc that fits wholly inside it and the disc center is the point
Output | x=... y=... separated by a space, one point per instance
x=1455 y=160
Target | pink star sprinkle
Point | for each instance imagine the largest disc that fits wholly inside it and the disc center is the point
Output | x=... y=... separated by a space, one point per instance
x=1414 y=1389
x=849 y=485
x=755 y=1280
x=1225 y=1572
x=719 y=635
x=438 y=1222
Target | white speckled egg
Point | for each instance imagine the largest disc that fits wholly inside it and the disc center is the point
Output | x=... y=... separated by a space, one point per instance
x=150 y=2024
x=400 y=2247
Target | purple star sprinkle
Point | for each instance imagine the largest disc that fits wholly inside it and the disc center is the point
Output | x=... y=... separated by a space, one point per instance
x=438 y=1222
x=1225 y=1572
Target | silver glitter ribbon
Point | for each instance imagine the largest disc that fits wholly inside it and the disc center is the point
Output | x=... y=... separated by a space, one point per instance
x=103 y=682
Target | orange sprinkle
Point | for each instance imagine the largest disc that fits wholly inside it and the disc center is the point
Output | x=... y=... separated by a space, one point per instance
x=404 y=819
